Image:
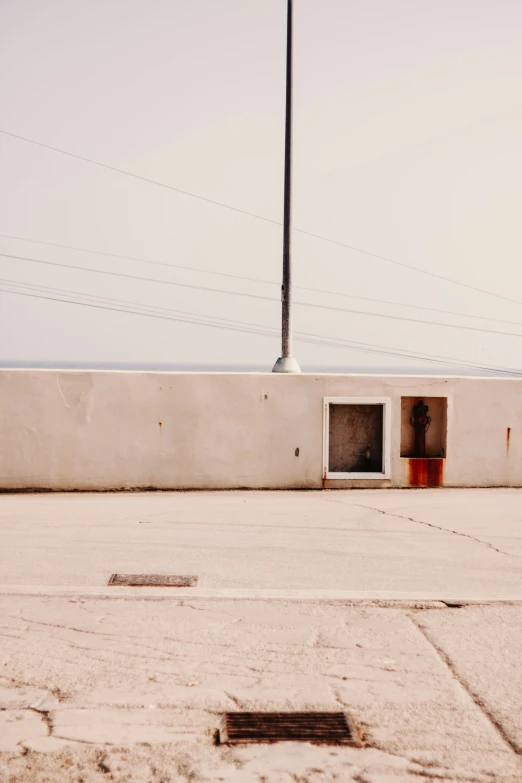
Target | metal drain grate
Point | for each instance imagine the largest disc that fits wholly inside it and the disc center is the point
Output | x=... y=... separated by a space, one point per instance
x=153 y=580
x=320 y=728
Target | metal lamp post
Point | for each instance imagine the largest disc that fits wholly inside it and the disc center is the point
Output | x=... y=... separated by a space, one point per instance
x=287 y=363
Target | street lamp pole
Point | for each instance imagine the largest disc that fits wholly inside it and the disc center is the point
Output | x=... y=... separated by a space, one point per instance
x=287 y=363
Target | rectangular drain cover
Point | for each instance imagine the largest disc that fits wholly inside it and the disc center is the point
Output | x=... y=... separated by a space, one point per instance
x=153 y=580
x=320 y=728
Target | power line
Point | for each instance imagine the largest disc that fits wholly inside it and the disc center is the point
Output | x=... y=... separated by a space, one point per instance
x=128 y=276
x=260 y=280
x=313 y=305
x=143 y=260
x=138 y=176
x=241 y=326
x=260 y=217
x=411 y=267
x=97 y=297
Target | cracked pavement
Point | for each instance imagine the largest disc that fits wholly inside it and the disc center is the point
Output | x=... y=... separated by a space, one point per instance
x=95 y=688
x=462 y=542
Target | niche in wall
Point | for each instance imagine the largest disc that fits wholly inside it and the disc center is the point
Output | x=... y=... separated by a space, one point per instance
x=436 y=431
x=356 y=438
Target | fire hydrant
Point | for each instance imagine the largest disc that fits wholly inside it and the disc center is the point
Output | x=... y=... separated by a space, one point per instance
x=421 y=422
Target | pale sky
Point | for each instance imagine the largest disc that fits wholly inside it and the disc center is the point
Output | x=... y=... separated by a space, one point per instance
x=407 y=144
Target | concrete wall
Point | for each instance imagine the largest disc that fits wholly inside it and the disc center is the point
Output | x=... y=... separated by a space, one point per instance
x=111 y=430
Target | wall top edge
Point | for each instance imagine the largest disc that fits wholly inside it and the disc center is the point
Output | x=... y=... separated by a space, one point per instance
x=212 y=373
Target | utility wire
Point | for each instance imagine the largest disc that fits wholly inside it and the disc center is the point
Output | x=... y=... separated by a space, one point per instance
x=305 y=337
x=137 y=277
x=238 y=326
x=260 y=217
x=241 y=326
x=143 y=260
x=331 y=308
x=260 y=280
x=138 y=176
x=97 y=298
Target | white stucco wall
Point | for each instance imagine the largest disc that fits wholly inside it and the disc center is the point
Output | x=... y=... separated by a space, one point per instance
x=110 y=430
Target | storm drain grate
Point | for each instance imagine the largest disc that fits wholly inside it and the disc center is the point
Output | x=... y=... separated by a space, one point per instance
x=153 y=580
x=320 y=728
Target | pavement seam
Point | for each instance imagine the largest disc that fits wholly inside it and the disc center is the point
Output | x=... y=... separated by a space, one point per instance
x=446 y=660
x=367 y=598
x=435 y=527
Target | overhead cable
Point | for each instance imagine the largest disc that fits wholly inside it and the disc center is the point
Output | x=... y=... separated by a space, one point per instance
x=314 y=305
x=411 y=267
x=314 y=290
x=241 y=326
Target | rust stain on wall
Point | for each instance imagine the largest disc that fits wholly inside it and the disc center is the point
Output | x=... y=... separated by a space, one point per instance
x=508 y=439
x=426 y=472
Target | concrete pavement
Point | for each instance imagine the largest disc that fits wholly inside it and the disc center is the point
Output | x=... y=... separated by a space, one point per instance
x=96 y=688
x=457 y=542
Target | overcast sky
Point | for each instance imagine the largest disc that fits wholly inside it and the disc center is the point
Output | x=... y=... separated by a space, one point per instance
x=407 y=140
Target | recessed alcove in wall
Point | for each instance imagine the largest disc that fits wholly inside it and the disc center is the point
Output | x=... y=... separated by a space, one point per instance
x=356 y=437
x=436 y=431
